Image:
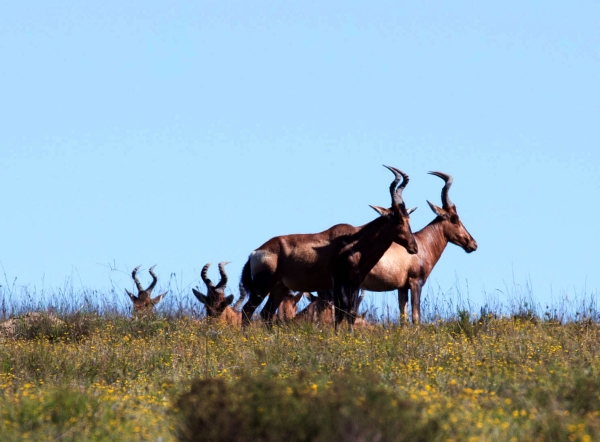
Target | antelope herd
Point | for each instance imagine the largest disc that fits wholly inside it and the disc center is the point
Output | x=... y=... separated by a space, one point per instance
x=338 y=263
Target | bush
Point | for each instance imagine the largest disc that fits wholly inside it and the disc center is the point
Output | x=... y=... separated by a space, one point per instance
x=266 y=408
x=34 y=325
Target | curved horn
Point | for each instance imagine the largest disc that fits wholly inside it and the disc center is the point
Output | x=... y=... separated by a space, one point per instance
x=137 y=282
x=446 y=203
x=223 y=282
x=396 y=192
x=240 y=302
x=207 y=281
x=154 y=279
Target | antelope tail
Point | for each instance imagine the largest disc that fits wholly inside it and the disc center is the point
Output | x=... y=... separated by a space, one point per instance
x=246 y=280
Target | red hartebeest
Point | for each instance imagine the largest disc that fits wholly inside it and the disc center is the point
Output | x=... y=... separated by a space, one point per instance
x=142 y=303
x=217 y=304
x=338 y=258
x=288 y=307
x=399 y=270
x=321 y=310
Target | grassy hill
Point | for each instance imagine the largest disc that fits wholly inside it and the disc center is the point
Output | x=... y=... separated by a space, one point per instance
x=103 y=376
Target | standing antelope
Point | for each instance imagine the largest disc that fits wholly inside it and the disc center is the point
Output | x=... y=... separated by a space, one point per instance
x=142 y=303
x=338 y=258
x=399 y=270
x=217 y=304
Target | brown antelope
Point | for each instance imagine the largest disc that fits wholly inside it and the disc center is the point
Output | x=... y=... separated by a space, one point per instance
x=216 y=303
x=399 y=270
x=288 y=307
x=142 y=303
x=338 y=258
x=321 y=310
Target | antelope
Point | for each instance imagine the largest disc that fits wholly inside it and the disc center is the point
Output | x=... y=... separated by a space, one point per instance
x=216 y=303
x=288 y=307
x=321 y=310
x=338 y=258
x=142 y=303
x=397 y=269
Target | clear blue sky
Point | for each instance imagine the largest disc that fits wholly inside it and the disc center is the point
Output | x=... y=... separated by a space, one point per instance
x=177 y=133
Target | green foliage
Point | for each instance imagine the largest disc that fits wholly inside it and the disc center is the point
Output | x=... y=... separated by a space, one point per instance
x=63 y=414
x=484 y=377
x=266 y=408
x=35 y=326
x=525 y=313
x=464 y=325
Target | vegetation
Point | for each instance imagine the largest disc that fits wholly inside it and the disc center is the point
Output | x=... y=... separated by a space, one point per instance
x=493 y=376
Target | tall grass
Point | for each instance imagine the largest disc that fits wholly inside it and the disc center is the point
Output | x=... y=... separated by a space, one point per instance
x=500 y=371
x=18 y=299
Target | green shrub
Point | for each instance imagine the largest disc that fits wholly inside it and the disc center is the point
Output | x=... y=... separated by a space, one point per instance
x=266 y=408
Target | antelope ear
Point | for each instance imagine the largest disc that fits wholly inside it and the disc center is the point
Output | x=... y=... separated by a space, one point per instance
x=156 y=300
x=381 y=210
x=131 y=296
x=409 y=211
x=438 y=210
x=228 y=300
x=201 y=297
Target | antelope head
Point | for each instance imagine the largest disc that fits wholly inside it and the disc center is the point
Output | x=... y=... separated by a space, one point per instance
x=321 y=311
x=289 y=306
x=214 y=300
x=453 y=228
x=403 y=233
x=143 y=302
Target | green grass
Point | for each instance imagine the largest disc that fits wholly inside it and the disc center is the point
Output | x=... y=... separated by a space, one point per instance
x=498 y=376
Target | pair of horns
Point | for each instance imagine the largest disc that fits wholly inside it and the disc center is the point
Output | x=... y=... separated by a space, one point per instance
x=395 y=189
x=396 y=192
x=222 y=283
x=137 y=281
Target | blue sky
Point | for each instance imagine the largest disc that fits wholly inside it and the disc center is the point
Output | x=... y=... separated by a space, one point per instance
x=178 y=133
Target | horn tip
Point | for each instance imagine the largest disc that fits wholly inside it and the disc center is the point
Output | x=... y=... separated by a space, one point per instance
x=444 y=176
